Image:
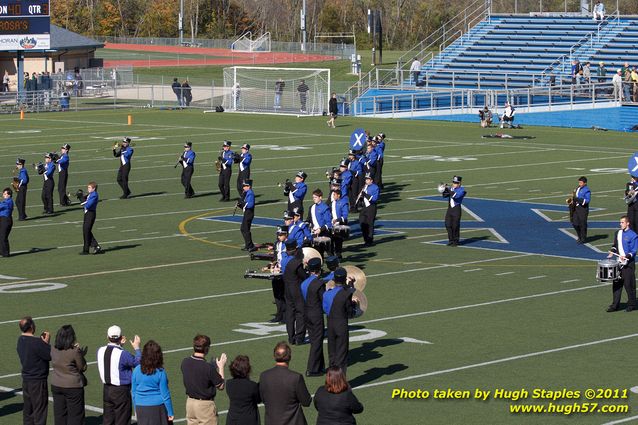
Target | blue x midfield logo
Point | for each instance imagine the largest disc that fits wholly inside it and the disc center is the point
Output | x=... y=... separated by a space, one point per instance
x=519 y=227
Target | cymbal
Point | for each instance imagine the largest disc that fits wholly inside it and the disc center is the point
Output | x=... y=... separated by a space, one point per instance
x=359 y=276
x=309 y=253
x=362 y=303
x=330 y=285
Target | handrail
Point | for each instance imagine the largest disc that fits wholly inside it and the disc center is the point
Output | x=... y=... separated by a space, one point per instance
x=443 y=46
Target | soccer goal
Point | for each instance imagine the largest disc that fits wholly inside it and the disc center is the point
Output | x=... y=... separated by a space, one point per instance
x=301 y=91
x=245 y=43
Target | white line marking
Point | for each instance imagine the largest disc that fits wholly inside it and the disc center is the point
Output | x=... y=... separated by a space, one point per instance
x=471 y=270
x=499 y=361
x=128 y=230
x=620 y=421
x=570 y=281
x=536 y=277
x=504 y=273
x=18 y=392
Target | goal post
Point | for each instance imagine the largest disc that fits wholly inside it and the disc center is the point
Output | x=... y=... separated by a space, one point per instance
x=300 y=91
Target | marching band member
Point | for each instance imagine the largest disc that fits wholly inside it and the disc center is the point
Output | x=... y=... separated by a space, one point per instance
x=293 y=274
x=6 y=221
x=319 y=217
x=338 y=305
x=23 y=184
x=370 y=164
x=244 y=166
x=247 y=204
x=332 y=263
x=278 y=288
x=125 y=152
x=339 y=214
x=369 y=196
x=90 y=208
x=354 y=166
x=625 y=246
x=299 y=231
x=187 y=160
x=346 y=179
x=226 y=159
x=48 y=184
x=296 y=191
x=582 y=197
x=361 y=176
x=312 y=289
x=380 y=152
x=453 y=213
x=63 y=171
x=632 y=205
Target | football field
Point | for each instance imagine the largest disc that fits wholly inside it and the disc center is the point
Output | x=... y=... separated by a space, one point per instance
x=516 y=307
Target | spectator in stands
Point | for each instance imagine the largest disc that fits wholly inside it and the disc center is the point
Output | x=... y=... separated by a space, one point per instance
x=626 y=84
x=634 y=83
x=599 y=11
x=116 y=395
x=415 y=70
x=177 y=89
x=283 y=391
x=335 y=402
x=149 y=388
x=587 y=73
x=576 y=71
x=486 y=117
x=617 y=82
x=68 y=380
x=202 y=380
x=5 y=81
x=601 y=72
x=243 y=394
x=35 y=354
x=187 y=95
x=508 y=115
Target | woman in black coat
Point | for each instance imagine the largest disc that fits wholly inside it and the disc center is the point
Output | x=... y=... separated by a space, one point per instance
x=335 y=401
x=243 y=394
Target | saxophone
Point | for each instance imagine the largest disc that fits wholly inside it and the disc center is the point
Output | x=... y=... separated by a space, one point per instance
x=571 y=204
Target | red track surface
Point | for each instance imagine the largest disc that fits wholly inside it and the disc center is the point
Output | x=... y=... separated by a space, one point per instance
x=228 y=57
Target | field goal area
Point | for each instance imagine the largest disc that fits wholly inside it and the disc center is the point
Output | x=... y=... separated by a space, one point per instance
x=300 y=91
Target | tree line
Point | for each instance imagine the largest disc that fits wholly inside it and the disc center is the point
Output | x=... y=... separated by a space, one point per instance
x=405 y=22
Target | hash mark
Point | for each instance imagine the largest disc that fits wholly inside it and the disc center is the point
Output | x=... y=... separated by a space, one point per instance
x=471 y=270
x=536 y=277
x=503 y=274
x=571 y=280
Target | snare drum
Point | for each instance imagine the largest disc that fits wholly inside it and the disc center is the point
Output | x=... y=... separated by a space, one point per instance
x=608 y=270
x=341 y=231
x=322 y=244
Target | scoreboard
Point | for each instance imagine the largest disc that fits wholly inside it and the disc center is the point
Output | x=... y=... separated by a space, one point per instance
x=25 y=25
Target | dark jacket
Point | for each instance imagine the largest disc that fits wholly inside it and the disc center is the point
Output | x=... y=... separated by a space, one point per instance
x=283 y=393
x=336 y=409
x=244 y=398
x=332 y=106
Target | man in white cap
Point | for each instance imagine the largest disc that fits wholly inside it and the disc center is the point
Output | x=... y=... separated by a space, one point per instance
x=116 y=367
x=617 y=82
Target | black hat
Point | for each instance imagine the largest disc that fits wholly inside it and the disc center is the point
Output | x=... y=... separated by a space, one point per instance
x=291 y=245
x=314 y=264
x=245 y=146
x=188 y=144
x=457 y=179
x=287 y=215
x=282 y=229
x=227 y=143
x=583 y=179
x=126 y=140
x=340 y=276
x=296 y=211
x=66 y=146
x=48 y=155
x=351 y=152
x=344 y=163
x=247 y=182
x=20 y=161
x=332 y=262
x=301 y=174
x=368 y=176
x=336 y=182
x=381 y=136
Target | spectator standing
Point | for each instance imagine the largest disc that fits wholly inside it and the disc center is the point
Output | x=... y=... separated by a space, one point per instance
x=333 y=110
x=117 y=380
x=303 y=89
x=177 y=89
x=243 y=394
x=280 y=84
x=601 y=72
x=626 y=84
x=202 y=380
x=236 y=96
x=617 y=82
x=35 y=355
x=5 y=81
x=187 y=94
x=415 y=70
x=283 y=391
x=634 y=83
x=68 y=380
x=335 y=402
x=149 y=388
x=587 y=73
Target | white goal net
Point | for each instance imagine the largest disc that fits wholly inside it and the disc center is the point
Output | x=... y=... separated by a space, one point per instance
x=276 y=90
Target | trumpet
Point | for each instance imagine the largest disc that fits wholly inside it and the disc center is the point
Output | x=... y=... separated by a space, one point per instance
x=179 y=160
x=442 y=187
x=39 y=167
x=284 y=184
x=118 y=145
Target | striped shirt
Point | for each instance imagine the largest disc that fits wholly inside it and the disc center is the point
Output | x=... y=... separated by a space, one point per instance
x=116 y=365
